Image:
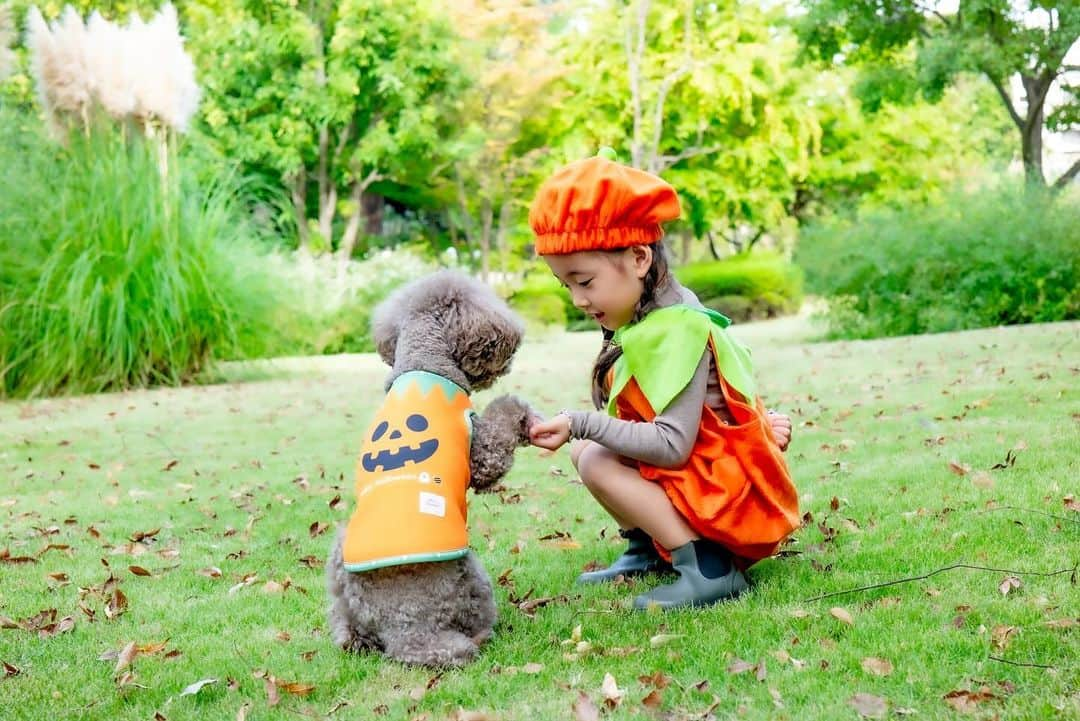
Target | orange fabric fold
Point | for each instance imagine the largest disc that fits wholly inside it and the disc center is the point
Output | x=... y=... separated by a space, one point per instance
x=735 y=489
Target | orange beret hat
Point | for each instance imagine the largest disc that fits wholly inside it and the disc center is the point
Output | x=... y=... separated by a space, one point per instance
x=597 y=204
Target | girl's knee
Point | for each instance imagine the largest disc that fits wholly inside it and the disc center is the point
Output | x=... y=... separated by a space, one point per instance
x=576 y=449
x=596 y=465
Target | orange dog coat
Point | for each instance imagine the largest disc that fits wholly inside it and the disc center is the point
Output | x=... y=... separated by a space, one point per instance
x=411 y=477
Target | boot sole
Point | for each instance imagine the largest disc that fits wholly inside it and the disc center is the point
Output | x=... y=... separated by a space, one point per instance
x=739 y=590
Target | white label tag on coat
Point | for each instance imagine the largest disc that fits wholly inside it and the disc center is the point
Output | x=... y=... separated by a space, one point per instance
x=432 y=504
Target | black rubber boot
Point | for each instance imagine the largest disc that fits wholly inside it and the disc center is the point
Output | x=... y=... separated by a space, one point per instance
x=706 y=575
x=639 y=558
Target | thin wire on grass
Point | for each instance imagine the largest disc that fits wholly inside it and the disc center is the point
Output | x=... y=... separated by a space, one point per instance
x=1019 y=663
x=942 y=570
x=1029 y=510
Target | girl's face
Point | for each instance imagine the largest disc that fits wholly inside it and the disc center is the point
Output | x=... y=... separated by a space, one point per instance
x=606 y=285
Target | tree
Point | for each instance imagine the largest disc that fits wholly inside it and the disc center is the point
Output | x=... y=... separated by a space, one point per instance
x=701 y=93
x=332 y=100
x=907 y=46
x=506 y=116
x=901 y=156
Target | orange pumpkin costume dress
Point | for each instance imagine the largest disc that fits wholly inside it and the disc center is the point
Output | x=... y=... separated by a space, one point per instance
x=735 y=489
x=411 y=477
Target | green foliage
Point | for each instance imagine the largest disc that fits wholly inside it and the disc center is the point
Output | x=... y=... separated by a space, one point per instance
x=329 y=100
x=994 y=257
x=905 y=49
x=539 y=288
x=325 y=303
x=747 y=286
x=719 y=110
x=540 y=306
x=111 y=278
x=900 y=155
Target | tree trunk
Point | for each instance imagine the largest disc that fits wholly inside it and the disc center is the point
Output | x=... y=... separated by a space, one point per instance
x=298 y=188
x=327 y=189
x=634 y=42
x=352 y=226
x=485 y=240
x=712 y=245
x=501 y=233
x=1031 y=142
x=373 y=205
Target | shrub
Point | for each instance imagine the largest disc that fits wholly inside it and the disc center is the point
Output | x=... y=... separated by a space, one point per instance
x=540 y=306
x=769 y=284
x=540 y=282
x=326 y=307
x=999 y=257
x=111 y=277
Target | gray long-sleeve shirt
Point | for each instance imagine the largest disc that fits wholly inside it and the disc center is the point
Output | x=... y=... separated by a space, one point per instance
x=668 y=439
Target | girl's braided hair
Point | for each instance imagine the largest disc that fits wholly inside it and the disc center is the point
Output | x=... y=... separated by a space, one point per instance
x=609 y=351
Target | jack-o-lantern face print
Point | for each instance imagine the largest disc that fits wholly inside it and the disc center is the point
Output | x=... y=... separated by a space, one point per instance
x=393 y=448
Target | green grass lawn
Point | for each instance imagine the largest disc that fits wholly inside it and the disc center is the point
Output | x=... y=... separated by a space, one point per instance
x=212 y=508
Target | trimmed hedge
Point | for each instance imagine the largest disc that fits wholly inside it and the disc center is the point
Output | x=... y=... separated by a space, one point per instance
x=996 y=258
x=747 y=286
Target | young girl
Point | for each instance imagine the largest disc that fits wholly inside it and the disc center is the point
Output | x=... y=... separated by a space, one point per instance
x=686 y=459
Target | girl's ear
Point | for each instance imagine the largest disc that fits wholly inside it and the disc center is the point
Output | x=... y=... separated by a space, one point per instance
x=641 y=260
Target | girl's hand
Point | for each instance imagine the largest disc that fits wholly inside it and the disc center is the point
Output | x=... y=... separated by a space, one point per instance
x=780 y=424
x=550 y=434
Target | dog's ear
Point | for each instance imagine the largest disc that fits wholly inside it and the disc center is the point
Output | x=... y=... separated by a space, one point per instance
x=385 y=328
x=483 y=336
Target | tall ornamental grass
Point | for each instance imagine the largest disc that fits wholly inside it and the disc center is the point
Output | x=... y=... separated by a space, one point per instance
x=996 y=257
x=112 y=275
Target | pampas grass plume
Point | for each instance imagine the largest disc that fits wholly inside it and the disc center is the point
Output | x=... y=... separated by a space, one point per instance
x=7 y=58
x=140 y=71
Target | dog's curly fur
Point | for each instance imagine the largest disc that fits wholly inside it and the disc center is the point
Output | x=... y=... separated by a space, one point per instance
x=436 y=614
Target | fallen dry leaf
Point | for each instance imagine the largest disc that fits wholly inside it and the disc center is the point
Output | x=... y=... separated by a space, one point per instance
x=877 y=666
x=585 y=709
x=125 y=657
x=194 y=688
x=662 y=639
x=968 y=701
x=869 y=706
x=653 y=699
x=212 y=572
x=139 y=571
x=532 y=668
x=841 y=615
x=317 y=528
x=463 y=715
x=738 y=666
x=1007 y=584
x=1062 y=623
x=241 y=713
x=272 y=695
x=296 y=689
x=982 y=479
x=1000 y=636
x=658 y=680
x=10 y=669
x=960 y=469
x=116 y=605
x=613 y=695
